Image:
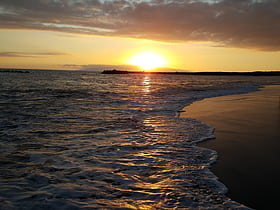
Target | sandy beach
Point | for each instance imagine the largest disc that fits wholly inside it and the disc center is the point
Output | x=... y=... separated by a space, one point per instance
x=247 y=141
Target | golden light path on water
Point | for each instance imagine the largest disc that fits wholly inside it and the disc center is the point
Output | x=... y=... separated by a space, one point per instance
x=154 y=172
x=169 y=173
x=146 y=85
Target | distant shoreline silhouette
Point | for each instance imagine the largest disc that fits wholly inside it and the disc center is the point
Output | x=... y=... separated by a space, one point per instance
x=14 y=71
x=254 y=73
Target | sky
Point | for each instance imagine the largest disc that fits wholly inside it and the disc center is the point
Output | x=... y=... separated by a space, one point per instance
x=193 y=35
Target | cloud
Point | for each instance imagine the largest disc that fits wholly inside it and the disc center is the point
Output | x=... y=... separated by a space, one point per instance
x=229 y=23
x=28 y=55
x=100 y=67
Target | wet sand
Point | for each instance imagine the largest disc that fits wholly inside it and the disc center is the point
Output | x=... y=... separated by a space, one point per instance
x=247 y=131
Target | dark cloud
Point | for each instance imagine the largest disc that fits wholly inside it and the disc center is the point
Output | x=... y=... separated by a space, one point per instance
x=100 y=67
x=235 y=23
x=28 y=55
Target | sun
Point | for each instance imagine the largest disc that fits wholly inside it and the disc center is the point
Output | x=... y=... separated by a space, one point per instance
x=147 y=60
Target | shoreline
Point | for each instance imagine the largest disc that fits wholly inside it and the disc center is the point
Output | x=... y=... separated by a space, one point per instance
x=213 y=73
x=246 y=131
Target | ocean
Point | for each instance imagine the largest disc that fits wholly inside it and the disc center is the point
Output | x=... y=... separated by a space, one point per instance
x=85 y=140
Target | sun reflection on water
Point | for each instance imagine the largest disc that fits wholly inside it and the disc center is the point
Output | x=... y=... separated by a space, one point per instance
x=146 y=85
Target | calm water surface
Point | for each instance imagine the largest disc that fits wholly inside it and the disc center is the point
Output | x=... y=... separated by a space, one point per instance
x=82 y=140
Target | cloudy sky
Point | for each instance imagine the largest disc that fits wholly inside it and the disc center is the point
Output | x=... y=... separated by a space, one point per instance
x=198 y=35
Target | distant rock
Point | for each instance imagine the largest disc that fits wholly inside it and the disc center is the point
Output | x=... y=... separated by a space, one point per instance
x=13 y=71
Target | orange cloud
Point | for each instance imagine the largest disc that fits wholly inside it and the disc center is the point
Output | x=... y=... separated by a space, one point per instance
x=29 y=55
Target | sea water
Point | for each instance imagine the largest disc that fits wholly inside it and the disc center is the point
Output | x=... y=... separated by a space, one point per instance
x=84 y=140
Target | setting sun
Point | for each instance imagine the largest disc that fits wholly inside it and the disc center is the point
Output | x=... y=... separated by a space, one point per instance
x=147 y=60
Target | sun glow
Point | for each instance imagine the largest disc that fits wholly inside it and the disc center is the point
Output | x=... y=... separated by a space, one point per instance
x=147 y=60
